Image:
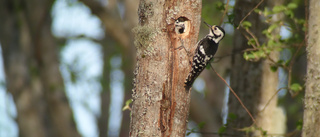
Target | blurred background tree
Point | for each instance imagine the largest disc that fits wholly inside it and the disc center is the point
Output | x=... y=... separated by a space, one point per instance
x=64 y=56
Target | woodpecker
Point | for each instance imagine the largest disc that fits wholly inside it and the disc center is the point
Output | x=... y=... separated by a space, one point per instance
x=206 y=48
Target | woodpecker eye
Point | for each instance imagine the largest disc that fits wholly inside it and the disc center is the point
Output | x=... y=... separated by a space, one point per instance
x=215 y=28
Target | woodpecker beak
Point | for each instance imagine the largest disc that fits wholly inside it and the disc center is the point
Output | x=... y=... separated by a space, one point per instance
x=207 y=24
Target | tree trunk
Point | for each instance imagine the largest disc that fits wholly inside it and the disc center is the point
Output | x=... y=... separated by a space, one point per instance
x=311 y=118
x=128 y=55
x=160 y=101
x=254 y=82
x=105 y=94
x=246 y=77
x=120 y=31
x=32 y=69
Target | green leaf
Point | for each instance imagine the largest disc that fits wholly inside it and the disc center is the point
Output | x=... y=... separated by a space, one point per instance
x=271 y=43
x=272 y=27
x=264 y=133
x=299 y=125
x=296 y=87
x=220 y=6
x=201 y=125
x=289 y=13
x=266 y=12
x=231 y=18
x=249 y=56
x=232 y=116
x=246 y=24
x=251 y=42
x=127 y=106
x=260 y=53
x=292 y=6
x=222 y=130
x=273 y=68
x=277 y=9
x=257 y=10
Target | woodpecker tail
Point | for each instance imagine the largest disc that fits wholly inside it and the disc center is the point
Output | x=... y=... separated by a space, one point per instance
x=191 y=78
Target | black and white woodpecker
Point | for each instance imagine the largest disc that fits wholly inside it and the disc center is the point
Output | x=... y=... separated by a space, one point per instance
x=206 y=48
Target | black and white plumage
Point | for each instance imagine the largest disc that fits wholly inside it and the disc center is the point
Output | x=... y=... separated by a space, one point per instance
x=206 y=48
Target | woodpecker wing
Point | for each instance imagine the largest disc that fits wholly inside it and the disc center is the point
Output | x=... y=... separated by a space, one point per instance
x=203 y=54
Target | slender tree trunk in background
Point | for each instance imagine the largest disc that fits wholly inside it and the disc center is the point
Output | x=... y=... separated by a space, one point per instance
x=105 y=95
x=311 y=118
x=246 y=77
x=127 y=67
x=32 y=70
x=120 y=31
x=160 y=102
x=128 y=55
x=253 y=82
x=270 y=117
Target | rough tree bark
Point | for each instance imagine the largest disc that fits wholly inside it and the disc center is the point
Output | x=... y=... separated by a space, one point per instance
x=32 y=69
x=254 y=82
x=311 y=118
x=160 y=101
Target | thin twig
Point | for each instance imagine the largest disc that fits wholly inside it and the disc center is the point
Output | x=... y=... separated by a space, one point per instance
x=291 y=64
x=276 y=93
x=224 y=13
x=217 y=133
x=234 y=93
x=254 y=37
x=250 y=13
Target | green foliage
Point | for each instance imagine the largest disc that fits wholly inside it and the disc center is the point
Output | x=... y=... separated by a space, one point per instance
x=195 y=129
x=261 y=47
x=246 y=24
x=273 y=68
x=201 y=125
x=220 y=6
x=232 y=116
x=222 y=130
x=127 y=105
x=299 y=125
x=296 y=87
x=231 y=19
x=274 y=41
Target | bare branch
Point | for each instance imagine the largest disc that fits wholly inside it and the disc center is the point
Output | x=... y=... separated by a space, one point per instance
x=234 y=93
x=224 y=13
x=250 y=13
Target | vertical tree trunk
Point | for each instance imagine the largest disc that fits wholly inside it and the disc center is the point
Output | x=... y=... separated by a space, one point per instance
x=311 y=118
x=32 y=69
x=254 y=82
x=103 y=119
x=128 y=55
x=160 y=101
x=127 y=67
x=120 y=32
x=246 y=77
